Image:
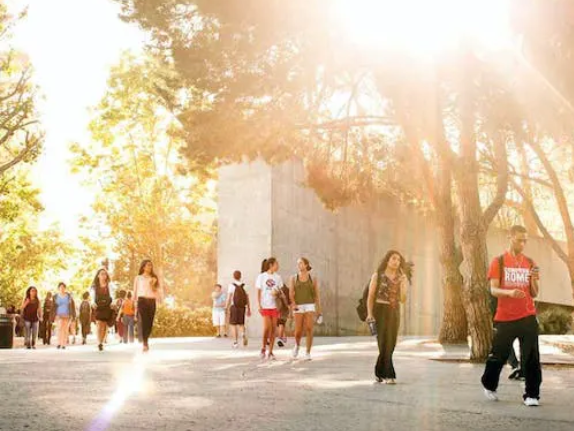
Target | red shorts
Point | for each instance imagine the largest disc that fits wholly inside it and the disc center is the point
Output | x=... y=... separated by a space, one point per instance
x=270 y=312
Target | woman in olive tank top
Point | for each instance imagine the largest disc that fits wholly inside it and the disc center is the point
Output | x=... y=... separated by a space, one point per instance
x=306 y=304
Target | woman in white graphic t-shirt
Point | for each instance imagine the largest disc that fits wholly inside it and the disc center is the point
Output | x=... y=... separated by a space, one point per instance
x=268 y=286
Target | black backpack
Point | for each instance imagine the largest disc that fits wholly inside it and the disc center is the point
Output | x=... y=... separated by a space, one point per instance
x=362 y=307
x=240 y=296
x=85 y=311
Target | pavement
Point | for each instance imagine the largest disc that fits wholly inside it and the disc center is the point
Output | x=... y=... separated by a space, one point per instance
x=202 y=384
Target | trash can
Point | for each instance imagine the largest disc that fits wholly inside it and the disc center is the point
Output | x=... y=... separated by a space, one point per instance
x=6 y=331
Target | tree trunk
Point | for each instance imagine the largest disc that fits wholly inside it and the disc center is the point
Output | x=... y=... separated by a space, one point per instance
x=473 y=222
x=454 y=326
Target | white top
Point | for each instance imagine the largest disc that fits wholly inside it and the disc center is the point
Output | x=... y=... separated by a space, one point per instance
x=267 y=283
x=143 y=289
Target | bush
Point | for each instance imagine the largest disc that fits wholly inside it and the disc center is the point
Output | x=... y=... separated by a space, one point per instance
x=182 y=322
x=555 y=320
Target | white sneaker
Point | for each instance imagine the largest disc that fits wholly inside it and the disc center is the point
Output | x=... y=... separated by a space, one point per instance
x=391 y=382
x=307 y=356
x=490 y=395
x=531 y=402
x=235 y=345
x=295 y=352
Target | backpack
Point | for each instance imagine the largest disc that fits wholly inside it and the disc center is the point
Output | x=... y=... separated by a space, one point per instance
x=362 y=311
x=85 y=311
x=494 y=299
x=239 y=296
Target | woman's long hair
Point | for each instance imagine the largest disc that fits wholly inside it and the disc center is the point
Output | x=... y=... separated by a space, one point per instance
x=96 y=283
x=264 y=266
x=28 y=293
x=385 y=262
x=153 y=275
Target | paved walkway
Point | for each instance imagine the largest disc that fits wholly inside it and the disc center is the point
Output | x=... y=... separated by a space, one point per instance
x=201 y=384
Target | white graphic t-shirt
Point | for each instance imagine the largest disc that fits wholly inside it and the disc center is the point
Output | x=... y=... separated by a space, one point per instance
x=267 y=283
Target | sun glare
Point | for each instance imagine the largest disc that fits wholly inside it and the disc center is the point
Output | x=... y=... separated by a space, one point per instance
x=425 y=27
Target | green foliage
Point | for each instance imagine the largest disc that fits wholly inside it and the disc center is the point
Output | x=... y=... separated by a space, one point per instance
x=20 y=134
x=555 y=320
x=144 y=208
x=28 y=255
x=182 y=322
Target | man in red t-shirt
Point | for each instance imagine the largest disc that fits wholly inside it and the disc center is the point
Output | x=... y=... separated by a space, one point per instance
x=515 y=317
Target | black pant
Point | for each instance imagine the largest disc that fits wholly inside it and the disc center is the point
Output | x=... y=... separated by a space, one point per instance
x=512 y=359
x=526 y=330
x=85 y=329
x=47 y=332
x=388 y=320
x=146 y=311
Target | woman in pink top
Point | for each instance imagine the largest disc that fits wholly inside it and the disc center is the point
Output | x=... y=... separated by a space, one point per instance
x=146 y=292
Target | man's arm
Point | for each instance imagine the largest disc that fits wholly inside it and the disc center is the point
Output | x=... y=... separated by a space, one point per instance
x=504 y=293
x=534 y=282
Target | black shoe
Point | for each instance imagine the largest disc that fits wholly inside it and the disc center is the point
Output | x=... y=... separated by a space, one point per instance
x=63 y=347
x=280 y=343
x=83 y=342
x=28 y=347
x=100 y=347
x=516 y=374
x=59 y=346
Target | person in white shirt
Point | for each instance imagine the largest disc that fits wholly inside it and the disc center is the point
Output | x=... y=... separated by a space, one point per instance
x=268 y=284
x=147 y=291
x=238 y=305
x=218 y=314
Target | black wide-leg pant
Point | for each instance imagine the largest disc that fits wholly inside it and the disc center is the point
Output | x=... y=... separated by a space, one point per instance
x=388 y=320
x=526 y=330
x=146 y=312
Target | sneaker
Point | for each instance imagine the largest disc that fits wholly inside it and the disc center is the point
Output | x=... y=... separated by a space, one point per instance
x=531 y=402
x=262 y=354
x=63 y=347
x=295 y=352
x=235 y=345
x=490 y=395
x=59 y=347
x=271 y=357
x=379 y=380
x=391 y=382
x=28 y=347
x=307 y=356
x=514 y=374
x=280 y=343
x=100 y=347
x=245 y=340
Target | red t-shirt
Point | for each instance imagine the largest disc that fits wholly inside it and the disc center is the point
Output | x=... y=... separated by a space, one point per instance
x=516 y=276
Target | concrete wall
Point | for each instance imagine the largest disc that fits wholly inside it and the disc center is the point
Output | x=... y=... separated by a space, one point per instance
x=266 y=211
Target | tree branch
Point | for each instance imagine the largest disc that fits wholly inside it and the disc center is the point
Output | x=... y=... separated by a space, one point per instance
x=501 y=168
x=545 y=233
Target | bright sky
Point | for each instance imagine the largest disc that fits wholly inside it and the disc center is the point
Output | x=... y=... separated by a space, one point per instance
x=72 y=44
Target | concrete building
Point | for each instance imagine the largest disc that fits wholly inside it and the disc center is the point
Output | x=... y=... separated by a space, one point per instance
x=267 y=211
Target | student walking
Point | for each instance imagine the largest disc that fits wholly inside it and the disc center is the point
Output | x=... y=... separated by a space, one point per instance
x=32 y=315
x=218 y=312
x=238 y=305
x=306 y=303
x=268 y=286
x=284 y=305
x=85 y=317
x=515 y=285
x=386 y=291
x=128 y=318
x=118 y=305
x=103 y=305
x=147 y=291
x=49 y=315
x=65 y=311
